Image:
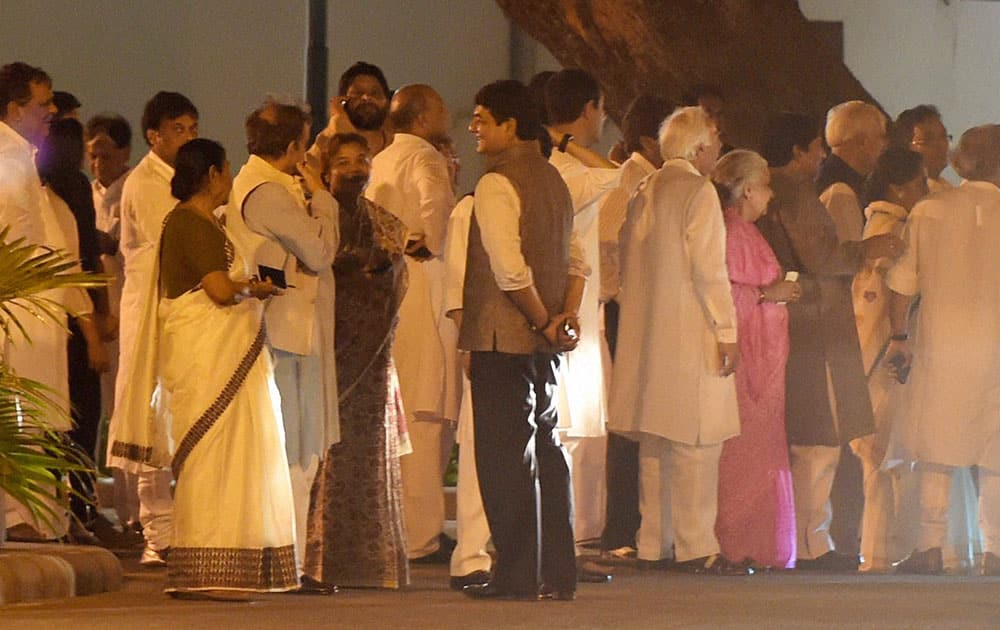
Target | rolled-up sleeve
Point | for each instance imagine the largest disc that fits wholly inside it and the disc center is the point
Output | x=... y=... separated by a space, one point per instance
x=272 y=210
x=498 y=214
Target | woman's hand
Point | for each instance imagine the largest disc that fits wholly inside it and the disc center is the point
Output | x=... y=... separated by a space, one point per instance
x=263 y=289
x=883 y=246
x=782 y=291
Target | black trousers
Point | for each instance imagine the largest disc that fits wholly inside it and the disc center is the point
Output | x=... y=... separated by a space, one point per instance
x=621 y=517
x=524 y=473
x=85 y=398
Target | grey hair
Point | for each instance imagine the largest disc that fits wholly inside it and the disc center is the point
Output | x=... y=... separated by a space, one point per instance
x=735 y=171
x=848 y=120
x=977 y=155
x=684 y=132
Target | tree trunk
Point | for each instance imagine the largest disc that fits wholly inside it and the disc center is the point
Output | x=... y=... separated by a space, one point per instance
x=764 y=54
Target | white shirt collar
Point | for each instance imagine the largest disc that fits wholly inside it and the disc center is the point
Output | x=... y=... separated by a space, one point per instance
x=641 y=160
x=980 y=184
x=683 y=164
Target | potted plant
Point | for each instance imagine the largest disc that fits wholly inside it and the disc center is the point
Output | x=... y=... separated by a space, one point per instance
x=34 y=458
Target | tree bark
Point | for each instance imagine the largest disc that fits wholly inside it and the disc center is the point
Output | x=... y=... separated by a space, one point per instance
x=763 y=54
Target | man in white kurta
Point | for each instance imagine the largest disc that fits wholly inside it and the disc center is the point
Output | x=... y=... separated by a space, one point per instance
x=25 y=210
x=952 y=415
x=270 y=220
x=677 y=347
x=576 y=116
x=410 y=179
x=169 y=120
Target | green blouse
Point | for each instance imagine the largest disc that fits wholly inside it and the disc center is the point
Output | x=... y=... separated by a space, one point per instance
x=191 y=247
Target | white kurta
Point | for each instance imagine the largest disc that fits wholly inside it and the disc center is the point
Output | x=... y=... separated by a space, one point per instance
x=410 y=179
x=582 y=404
x=676 y=305
x=146 y=201
x=953 y=408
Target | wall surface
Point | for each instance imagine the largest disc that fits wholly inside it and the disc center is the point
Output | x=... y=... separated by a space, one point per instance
x=908 y=52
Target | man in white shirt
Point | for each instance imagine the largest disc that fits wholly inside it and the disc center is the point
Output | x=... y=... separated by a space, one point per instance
x=410 y=179
x=168 y=121
x=575 y=108
x=640 y=127
x=270 y=221
x=952 y=415
x=523 y=284
x=109 y=149
x=677 y=348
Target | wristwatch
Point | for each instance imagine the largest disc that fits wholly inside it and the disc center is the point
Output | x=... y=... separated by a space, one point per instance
x=566 y=139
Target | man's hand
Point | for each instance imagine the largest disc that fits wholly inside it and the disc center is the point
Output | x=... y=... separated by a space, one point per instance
x=883 y=246
x=339 y=121
x=311 y=178
x=107 y=326
x=562 y=332
x=899 y=360
x=97 y=357
x=729 y=358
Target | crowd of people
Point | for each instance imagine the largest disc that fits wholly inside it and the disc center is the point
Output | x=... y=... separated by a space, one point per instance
x=674 y=354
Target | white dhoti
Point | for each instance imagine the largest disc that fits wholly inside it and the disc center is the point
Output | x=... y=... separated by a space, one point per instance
x=473 y=530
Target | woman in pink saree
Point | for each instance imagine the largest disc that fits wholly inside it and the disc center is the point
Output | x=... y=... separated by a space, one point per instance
x=756 y=516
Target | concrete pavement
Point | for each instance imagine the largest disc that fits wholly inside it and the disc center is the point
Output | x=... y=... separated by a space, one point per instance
x=635 y=599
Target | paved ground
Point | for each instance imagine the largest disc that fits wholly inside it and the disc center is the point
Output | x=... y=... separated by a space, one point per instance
x=633 y=600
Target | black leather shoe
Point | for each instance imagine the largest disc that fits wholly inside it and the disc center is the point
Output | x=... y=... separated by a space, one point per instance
x=458 y=582
x=591 y=576
x=546 y=592
x=443 y=554
x=928 y=562
x=492 y=591
x=715 y=564
x=830 y=561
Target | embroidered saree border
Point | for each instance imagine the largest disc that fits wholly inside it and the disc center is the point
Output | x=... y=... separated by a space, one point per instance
x=219 y=406
x=267 y=569
x=132 y=452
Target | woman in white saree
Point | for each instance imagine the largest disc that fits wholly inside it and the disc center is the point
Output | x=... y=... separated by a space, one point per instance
x=233 y=516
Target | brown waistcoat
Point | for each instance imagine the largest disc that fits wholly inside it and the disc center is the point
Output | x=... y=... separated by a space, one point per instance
x=490 y=320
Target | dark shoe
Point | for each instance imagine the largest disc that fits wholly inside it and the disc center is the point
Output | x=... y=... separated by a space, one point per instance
x=214 y=595
x=927 y=562
x=458 y=582
x=443 y=554
x=662 y=564
x=492 y=591
x=591 y=576
x=714 y=564
x=831 y=561
x=990 y=566
x=309 y=586
x=546 y=592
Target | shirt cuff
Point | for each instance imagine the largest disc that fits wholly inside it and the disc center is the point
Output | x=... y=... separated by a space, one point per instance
x=521 y=280
x=902 y=282
x=725 y=335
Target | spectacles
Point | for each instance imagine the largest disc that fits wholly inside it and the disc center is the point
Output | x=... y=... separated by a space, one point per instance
x=920 y=141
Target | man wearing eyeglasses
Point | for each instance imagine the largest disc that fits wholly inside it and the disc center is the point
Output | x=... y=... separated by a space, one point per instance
x=920 y=129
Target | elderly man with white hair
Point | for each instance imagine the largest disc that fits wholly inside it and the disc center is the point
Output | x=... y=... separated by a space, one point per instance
x=952 y=417
x=856 y=133
x=677 y=348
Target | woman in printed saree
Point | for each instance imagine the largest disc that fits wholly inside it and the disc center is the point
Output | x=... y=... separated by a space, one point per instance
x=233 y=517
x=756 y=516
x=356 y=536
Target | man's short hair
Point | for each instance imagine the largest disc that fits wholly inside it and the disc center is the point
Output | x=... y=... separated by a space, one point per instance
x=977 y=155
x=643 y=119
x=113 y=125
x=848 y=120
x=15 y=83
x=786 y=130
x=358 y=69
x=274 y=125
x=684 y=131
x=907 y=121
x=166 y=106
x=509 y=99
x=567 y=92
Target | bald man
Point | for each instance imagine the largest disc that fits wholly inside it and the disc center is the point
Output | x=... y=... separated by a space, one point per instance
x=410 y=179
